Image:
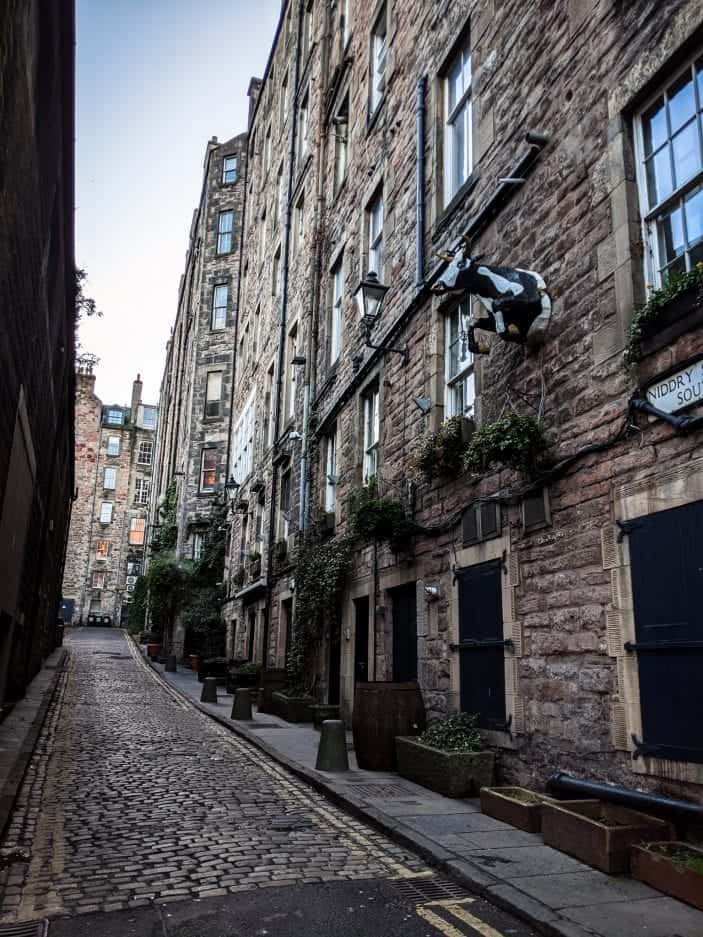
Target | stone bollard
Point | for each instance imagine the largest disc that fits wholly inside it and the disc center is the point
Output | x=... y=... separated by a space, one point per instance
x=332 y=751
x=171 y=664
x=209 y=694
x=241 y=707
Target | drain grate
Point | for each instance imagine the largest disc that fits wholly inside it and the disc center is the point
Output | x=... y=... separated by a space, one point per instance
x=436 y=888
x=28 y=929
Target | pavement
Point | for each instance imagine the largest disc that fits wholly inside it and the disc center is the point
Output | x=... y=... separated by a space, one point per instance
x=139 y=815
x=513 y=870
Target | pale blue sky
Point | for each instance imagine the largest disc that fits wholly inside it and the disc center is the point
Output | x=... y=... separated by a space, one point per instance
x=155 y=80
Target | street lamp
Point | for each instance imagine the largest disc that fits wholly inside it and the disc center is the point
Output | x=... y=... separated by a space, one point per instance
x=370 y=294
x=231 y=489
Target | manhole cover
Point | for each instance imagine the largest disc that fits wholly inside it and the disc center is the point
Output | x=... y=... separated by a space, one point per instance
x=28 y=929
x=384 y=791
x=436 y=888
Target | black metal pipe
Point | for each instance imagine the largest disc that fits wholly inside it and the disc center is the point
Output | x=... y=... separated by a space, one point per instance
x=563 y=786
x=681 y=423
x=420 y=199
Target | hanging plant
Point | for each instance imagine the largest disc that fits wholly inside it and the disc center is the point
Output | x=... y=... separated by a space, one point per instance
x=443 y=452
x=379 y=519
x=676 y=284
x=514 y=441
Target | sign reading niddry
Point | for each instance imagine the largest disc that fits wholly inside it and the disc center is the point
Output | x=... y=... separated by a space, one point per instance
x=678 y=390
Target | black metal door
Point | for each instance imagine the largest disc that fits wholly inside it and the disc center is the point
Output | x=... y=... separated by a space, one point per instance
x=481 y=645
x=335 y=668
x=361 y=639
x=404 y=632
x=667 y=589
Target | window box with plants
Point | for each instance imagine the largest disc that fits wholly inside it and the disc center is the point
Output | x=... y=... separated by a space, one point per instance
x=449 y=757
x=441 y=454
x=599 y=834
x=516 y=806
x=675 y=308
x=672 y=867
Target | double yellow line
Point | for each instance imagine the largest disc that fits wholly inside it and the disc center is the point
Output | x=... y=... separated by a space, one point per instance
x=457 y=908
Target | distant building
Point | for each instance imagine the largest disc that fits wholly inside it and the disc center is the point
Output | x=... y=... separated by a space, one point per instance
x=114 y=457
x=37 y=299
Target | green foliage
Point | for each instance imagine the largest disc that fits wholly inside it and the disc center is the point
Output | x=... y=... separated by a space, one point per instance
x=456 y=733
x=514 y=441
x=137 y=610
x=374 y=518
x=442 y=453
x=167 y=586
x=205 y=592
x=85 y=306
x=166 y=535
x=681 y=856
x=321 y=569
x=675 y=284
x=249 y=666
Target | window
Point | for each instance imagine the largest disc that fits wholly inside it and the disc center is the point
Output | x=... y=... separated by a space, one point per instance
x=106 y=512
x=213 y=394
x=115 y=417
x=278 y=204
x=244 y=540
x=113 y=445
x=224 y=232
x=340 y=123
x=481 y=521
x=459 y=391
x=371 y=435
x=276 y=273
x=102 y=549
x=141 y=491
x=267 y=151
x=345 y=24
x=377 y=259
x=137 y=526
x=262 y=238
x=299 y=224
x=379 y=49
x=243 y=442
x=303 y=130
x=148 y=417
x=284 y=527
x=283 y=102
x=198 y=544
x=335 y=337
x=145 y=453
x=98 y=579
x=110 y=477
x=208 y=470
x=257 y=333
x=331 y=479
x=229 y=170
x=220 y=297
x=307 y=31
x=671 y=176
x=457 y=123
x=269 y=404
x=291 y=372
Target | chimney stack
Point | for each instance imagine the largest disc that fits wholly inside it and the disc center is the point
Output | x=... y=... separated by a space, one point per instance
x=136 y=397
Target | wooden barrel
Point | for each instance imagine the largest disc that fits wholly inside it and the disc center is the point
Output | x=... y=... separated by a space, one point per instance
x=382 y=711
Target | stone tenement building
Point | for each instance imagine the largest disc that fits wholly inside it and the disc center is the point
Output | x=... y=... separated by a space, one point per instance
x=561 y=603
x=114 y=458
x=37 y=312
x=196 y=390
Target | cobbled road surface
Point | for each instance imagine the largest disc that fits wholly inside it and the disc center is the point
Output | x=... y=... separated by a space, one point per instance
x=134 y=799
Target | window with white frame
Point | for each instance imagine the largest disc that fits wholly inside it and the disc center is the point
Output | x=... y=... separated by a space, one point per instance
x=98 y=579
x=345 y=23
x=106 y=512
x=340 y=128
x=299 y=223
x=457 y=123
x=307 y=30
x=303 y=130
x=335 y=328
x=198 y=544
x=371 y=428
x=459 y=389
x=671 y=175
x=148 y=417
x=145 y=453
x=208 y=470
x=115 y=417
x=220 y=296
x=284 y=527
x=243 y=442
x=141 y=491
x=229 y=170
x=331 y=479
x=113 y=445
x=379 y=51
x=110 y=478
x=213 y=394
x=283 y=102
x=137 y=529
x=102 y=549
x=291 y=372
x=377 y=260
x=276 y=273
x=225 y=226
x=278 y=204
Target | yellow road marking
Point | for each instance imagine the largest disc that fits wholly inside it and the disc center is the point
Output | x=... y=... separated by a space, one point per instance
x=439 y=923
x=447 y=902
x=478 y=925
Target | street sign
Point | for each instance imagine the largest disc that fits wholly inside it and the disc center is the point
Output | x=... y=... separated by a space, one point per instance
x=678 y=391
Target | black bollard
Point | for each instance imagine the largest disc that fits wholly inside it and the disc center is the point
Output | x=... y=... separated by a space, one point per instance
x=209 y=694
x=332 y=751
x=171 y=664
x=241 y=707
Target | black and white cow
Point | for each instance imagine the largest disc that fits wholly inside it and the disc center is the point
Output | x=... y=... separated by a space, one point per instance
x=516 y=300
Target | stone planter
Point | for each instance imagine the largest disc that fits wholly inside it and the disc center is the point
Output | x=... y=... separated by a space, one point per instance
x=599 y=834
x=240 y=681
x=454 y=774
x=293 y=708
x=516 y=806
x=671 y=867
x=323 y=711
x=271 y=680
x=153 y=651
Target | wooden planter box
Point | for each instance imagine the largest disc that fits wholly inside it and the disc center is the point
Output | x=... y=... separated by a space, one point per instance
x=599 y=834
x=655 y=865
x=517 y=806
x=270 y=681
x=323 y=711
x=454 y=774
x=237 y=681
x=293 y=708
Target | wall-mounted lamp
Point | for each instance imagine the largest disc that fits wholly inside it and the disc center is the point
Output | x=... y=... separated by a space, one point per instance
x=370 y=295
x=231 y=489
x=431 y=593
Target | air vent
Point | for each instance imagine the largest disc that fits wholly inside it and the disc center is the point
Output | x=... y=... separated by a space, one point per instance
x=613 y=630
x=28 y=929
x=618 y=726
x=535 y=510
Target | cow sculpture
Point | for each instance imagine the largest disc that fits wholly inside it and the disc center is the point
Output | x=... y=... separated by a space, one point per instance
x=516 y=300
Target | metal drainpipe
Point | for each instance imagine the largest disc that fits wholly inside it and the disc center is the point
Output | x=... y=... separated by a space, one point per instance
x=284 y=304
x=420 y=199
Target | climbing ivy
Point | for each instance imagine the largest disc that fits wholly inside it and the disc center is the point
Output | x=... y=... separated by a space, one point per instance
x=166 y=534
x=512 y=440
x=380 y=519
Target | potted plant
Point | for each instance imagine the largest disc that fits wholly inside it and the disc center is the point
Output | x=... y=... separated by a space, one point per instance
x=449 y=757
x=672 y=867
x=599 y=834
x=516 y=806
x=243 y=675
x=293 y=704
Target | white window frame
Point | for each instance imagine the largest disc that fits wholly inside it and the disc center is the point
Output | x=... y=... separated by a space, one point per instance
x=307 y=31
x=98 y=578
x=100 y=555
x=213 y=394
x=141 y=491
x=653 y=214
x=148 y=424
x=229 y=170
x=110 y=478
x=340 y=129
x=303 y=129
x=198 y=545
x=458 y=163
x=106 y=512
x=115 y=418
x=299 y=223
x=113 y=445
x=242 y=455
x=376 y=255
x=331 y=480
x=345 y=24
x=378 y=61
x=218 y=317
x=459 y=382
x=225 y=229
x=146 y=445
x=202 y=488
x=337 y=311
x=371 y=434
